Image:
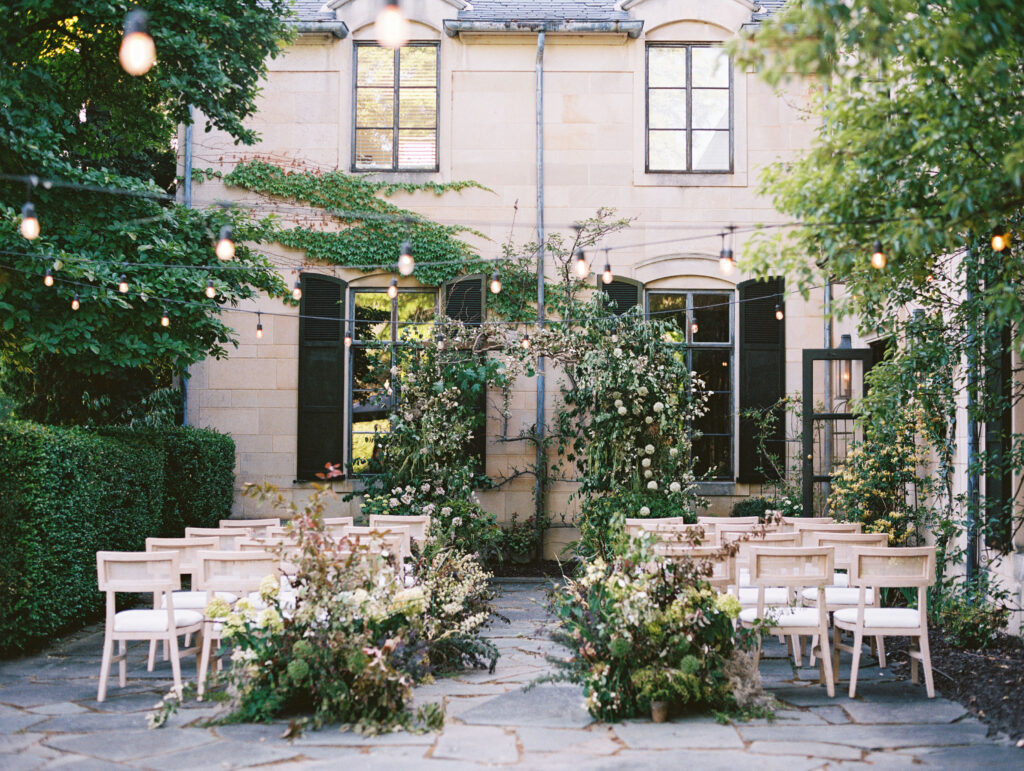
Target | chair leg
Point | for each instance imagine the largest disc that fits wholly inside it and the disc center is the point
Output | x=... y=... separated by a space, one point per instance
x=152 y=656
x=826 y=664
x=811 y=658
x=797 y=656
x=858 y=641
x=166 y=654
x=108 y=653
x=175 y=663
x=926 y=662
x=837 y=636
x=880 y=648
x=203 y=664
x=122 y=664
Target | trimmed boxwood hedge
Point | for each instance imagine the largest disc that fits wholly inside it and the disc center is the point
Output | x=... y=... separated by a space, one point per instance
x=68 y=492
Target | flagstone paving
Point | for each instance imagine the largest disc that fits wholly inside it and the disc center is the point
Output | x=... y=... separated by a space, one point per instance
x=49 y=718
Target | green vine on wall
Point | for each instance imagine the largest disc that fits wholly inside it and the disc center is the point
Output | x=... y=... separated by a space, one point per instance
x=373 y=228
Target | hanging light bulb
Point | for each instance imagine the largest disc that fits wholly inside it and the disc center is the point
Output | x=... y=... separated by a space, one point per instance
x=694 y=327
x=297 y=290
x=211 y=292
x=606 y=274
x=165 y=320
x=726 y=263
x=138 y=52
x=1000 y=241
x=48 y=278
x=393 y=288
x=526 y=342
x=259 y=326
x=122 y=284
x=406 y=263
x=75 y=302
x=391 y=28
x=878 y=259
x=780 y=314
x=225 y=248
x=581 y=263
x=348 y=339
x=29 y=222
x=495 y=286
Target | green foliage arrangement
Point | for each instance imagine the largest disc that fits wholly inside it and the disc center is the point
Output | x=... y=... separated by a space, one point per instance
x=372 y=228
x=642 y=629
x=972 y=616
x=751 y=507
x=72 y=114
x=69 y=492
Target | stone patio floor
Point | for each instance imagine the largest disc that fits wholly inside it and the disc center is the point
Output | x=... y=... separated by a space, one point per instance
x=49 y=718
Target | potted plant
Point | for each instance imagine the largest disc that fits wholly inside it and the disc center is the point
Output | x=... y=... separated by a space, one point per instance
x=654 y=687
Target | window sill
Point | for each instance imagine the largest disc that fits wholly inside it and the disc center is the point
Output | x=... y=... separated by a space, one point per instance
x=401 y=177
x=690 y=179
x=714 y=489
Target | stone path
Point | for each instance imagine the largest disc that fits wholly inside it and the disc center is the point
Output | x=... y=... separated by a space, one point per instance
x=49 y=719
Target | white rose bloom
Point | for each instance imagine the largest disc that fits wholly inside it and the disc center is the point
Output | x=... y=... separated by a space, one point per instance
x=652 y=485
x=645 y=511
x=622 y=410
x=673 y=452
x=446 y=511
x=615 y=338
x=648 y=420
x=649 y=449
x=642 y=390
x=618 y=402
x=618 y=353
x=675 y=487
x=393 y=503
x=425 y=487
x=658 y=406
x=648 y=474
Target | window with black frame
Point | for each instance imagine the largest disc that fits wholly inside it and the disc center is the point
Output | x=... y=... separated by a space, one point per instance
x=689 y=108
x=396 y=108
x=384 y=329
x=703 y=329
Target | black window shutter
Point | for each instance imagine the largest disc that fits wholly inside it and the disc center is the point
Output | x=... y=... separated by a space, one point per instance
x=464 y=300
x=321 y=375
x=625 y=294
x=762 y=375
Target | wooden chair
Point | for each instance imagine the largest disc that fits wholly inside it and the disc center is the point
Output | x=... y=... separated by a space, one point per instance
x=728 y=521
x=395 y=539
x=721 y=562
x=671 y=532
x=237 y=572
x=254 y=526
x=807 y=528
x=793 y=568
x=336 y=525
x=877 y=568
x=227 y=537
x=142 y=572
x=418 y=526
x=789 y=523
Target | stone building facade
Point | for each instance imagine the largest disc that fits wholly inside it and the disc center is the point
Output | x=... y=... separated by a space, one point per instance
x=642 y=112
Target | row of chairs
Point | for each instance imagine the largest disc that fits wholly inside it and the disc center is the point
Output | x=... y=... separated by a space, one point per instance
x=798 y=581
x=718 y=531
x=227 y=562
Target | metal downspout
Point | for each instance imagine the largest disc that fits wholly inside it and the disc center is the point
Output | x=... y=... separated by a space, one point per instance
x=973 y=480
x=541 y=461
x=188 y=205
x=826 y=451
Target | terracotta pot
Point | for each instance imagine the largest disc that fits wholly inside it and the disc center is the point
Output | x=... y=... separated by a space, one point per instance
x=659 y=711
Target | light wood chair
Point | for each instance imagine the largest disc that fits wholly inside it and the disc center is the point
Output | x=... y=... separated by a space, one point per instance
x=237 y=572
x=671 y=532
x=788 y=523
x=254 y=526
x=722 y=567
x=807 y=528
x=795 y=569
x=394 y=538
x=874 y=569
x=142 y=572
x=418 y=526
x=336 y=525
x=227 y=537
x=728 y=521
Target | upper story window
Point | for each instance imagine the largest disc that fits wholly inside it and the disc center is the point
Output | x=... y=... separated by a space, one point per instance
x=689 y=108
x=396 y=98
x=703 y=330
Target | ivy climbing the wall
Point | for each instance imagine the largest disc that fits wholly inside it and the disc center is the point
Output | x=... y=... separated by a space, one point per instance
x=372 y=228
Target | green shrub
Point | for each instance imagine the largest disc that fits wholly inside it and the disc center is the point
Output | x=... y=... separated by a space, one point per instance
x=972 y=616
x=68 y=492
x=750 y=507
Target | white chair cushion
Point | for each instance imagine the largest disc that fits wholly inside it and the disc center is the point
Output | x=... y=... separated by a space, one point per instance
x=839 y=595
x=773 y=595
x=783 y=616
x=841 y=579
x=196 y=600
x=898 y=618
x=153 y=620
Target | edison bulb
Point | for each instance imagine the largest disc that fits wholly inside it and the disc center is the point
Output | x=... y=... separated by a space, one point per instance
x=606 y=275
x=210 y=291
x=48 y=278
x=391 y=28
x=122 y=285
x=999 y=241
x=878 y=259
x=297 y=290
x=138 y=51
x=406 y=263
x=393 y=288
x=29 y=222
x=75 y=302
x=225 y=248
x=165 y=320
x=495 y=285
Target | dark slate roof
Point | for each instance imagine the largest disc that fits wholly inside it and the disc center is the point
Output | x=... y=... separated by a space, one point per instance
x=543 y=10
x=309 y=10
x=768 y=8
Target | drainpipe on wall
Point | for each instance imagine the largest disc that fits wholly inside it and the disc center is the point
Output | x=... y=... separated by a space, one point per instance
x=541 y=461
x=188 y=205
x=973 y=481
x=826 y=450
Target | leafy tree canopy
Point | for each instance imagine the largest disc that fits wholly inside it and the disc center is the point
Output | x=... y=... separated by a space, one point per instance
x=70 y=113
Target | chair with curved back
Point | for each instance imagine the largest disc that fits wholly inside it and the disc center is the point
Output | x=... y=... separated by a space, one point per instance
x=418 y=526
x=806 y=529
x=254 y=526
x=720 y=560
x=227 y=537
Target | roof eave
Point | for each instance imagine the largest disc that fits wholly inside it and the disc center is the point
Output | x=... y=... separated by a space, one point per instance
x=327 y=27
x=629 y=27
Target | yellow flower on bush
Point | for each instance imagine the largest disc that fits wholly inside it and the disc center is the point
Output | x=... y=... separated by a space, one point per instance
x=409 y=601
x=728 y=604
x=270 y=619
x=218 y=607
x=269 y=587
